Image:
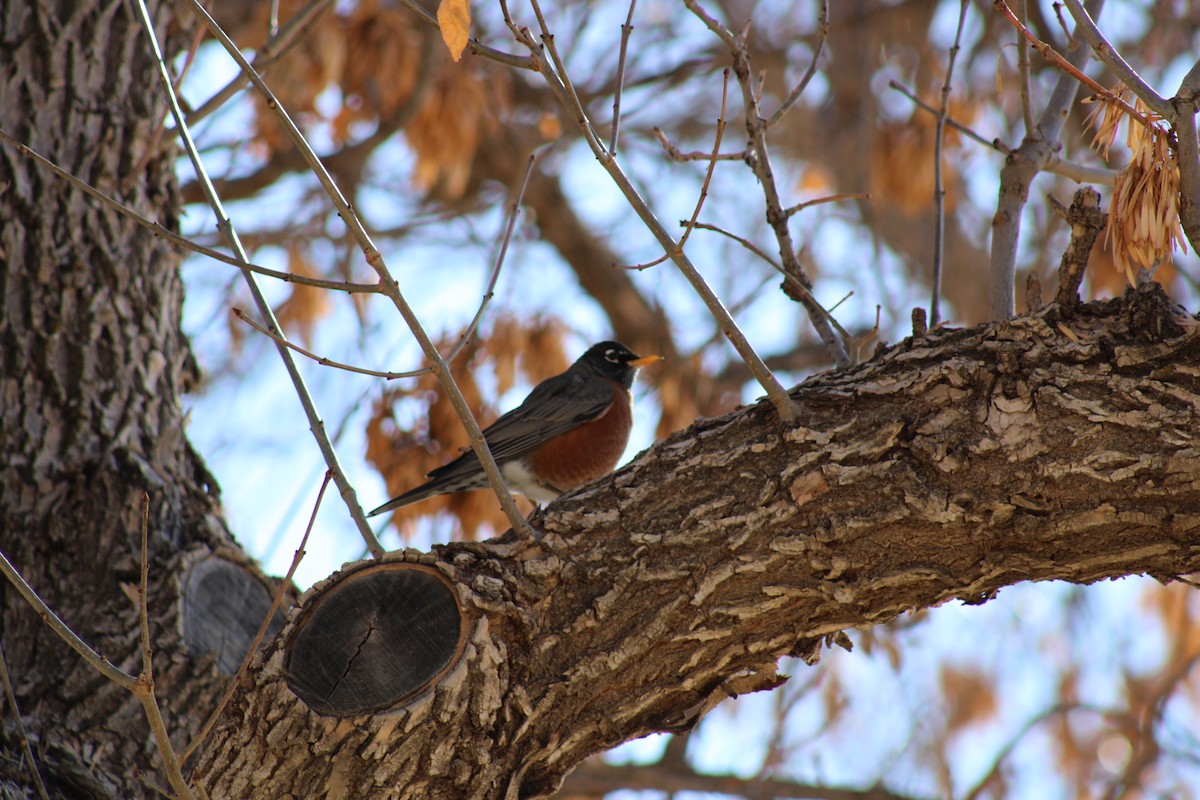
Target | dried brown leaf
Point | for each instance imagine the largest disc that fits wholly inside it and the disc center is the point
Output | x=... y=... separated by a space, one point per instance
x=454 y=18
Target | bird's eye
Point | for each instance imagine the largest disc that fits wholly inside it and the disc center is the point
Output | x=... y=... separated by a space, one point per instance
x=611 y=355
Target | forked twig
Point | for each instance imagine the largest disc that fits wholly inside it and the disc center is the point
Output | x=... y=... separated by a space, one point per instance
x=390 y=288
x=231 y=687
x=708 y=174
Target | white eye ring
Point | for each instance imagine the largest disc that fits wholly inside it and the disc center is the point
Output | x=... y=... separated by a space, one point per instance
x=611 y=355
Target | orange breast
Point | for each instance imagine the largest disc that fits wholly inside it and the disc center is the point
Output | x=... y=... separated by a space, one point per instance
x=588 y=452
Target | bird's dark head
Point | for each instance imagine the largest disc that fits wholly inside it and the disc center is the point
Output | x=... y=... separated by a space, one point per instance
x=615 y=361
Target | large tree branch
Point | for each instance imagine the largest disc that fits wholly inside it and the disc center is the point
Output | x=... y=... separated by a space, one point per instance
x=1058 y=446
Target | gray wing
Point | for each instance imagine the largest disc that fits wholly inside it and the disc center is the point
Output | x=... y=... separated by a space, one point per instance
x=555 y=406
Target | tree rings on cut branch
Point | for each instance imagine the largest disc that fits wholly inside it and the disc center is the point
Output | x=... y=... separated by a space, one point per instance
x=375 y=638
x=224 y=604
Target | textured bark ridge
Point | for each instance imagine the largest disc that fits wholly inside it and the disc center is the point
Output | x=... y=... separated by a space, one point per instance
x=1058 y=446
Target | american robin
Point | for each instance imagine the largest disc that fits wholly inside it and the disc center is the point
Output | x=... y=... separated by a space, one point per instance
x=571 y=429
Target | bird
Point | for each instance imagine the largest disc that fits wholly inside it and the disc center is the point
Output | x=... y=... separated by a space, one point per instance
x=571 y=429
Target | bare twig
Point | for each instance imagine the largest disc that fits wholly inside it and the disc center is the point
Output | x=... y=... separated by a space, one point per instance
x=231 y=687
x=833 y=198
x=712 y=165
x=626 y=32
x=97 y=661
x=391 y=289
x=278 y=45
x=26 y=750
x=510 y=225
x=1080 y=173
x=143 y=687
x=324 y=362
x=225 y=225
x=180 y=241
x=760 y=164
x=939 y=188
x=678 y=156
x=791 y=280
x=798 y=89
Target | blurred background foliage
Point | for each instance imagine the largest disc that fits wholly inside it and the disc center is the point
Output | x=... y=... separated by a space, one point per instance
x=1047 y=691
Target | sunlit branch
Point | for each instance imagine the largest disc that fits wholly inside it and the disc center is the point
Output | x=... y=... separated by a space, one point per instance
x=391 y=289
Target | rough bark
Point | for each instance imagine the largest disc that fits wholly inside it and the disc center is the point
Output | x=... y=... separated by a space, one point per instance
x=1059 y=446
x=92 y=363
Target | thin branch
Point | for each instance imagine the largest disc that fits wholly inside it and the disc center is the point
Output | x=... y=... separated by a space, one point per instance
x=143 y=687
x=97 y=661
x=759 y=162
x=939 y=188
x=277 y=46
x=322 y=360
x=626 y=32
x=474 y=45
x=1126 y=74
x=232 y=686
x=788 y=278
x=510 y=225
x=26 y=750
x=225 y=225
x=798 y=89
x=180 y=241
x=678 y=156
x=1023 y=70
x=708 y=174
x=1047 y=52
x=1080 y=173
x=391 y=289
x=832 y=198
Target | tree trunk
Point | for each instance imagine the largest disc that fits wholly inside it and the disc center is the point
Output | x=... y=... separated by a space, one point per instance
x=1059 y=446
x=92 y=364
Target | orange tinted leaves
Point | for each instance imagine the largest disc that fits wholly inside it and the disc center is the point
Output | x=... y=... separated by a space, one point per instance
x=454 y=18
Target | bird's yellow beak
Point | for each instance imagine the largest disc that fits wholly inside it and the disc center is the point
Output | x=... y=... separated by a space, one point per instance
x=644 y=360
